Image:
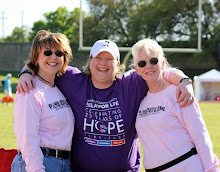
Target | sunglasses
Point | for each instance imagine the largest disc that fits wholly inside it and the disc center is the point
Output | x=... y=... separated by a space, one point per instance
x=58 y=53
x=143 y=63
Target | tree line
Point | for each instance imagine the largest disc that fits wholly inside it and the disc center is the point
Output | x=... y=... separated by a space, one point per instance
x=173 y=23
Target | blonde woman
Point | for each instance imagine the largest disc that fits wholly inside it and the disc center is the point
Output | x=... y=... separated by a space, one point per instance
x=173 y=138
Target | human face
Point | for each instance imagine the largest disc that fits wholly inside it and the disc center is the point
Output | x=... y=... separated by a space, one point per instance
x=49 y=65
x=152 y=71
x=103 y=68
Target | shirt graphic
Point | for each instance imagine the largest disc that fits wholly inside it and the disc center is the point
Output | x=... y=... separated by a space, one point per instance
x=103 y=123
x=150 y=111
x=58 y=105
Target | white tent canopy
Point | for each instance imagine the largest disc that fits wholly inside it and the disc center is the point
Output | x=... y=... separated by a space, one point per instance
x=207 y=85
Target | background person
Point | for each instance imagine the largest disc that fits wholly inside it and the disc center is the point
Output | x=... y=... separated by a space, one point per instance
x=105 y=107
x=7 y=90
x=7 y=85
x=167 y=131
x=43 y=120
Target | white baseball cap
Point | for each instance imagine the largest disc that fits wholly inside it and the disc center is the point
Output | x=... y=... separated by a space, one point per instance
x=105 y=45
x=9 y=75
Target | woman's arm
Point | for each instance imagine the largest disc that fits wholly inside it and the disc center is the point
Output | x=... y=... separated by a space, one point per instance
x=26 y=128
x=26 y=81
x=192 y=120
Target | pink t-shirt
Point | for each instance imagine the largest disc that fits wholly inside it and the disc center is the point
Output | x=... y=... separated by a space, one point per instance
x=42 y=118
x=167 y=131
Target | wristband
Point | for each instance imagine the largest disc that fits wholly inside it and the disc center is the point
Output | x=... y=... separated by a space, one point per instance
x=24 y=71
x=189 y=80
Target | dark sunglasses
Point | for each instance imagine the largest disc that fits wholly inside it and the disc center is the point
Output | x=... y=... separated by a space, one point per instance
x=58 y=53
x=143 y=63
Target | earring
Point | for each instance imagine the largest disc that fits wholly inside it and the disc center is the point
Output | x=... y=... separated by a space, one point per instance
x=36 y=64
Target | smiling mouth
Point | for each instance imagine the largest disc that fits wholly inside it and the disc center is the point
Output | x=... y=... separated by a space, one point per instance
x=148 y=73
x=102 y=70
x=52 y=64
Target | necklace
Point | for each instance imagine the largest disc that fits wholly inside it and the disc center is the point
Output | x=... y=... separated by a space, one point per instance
x=46 y=81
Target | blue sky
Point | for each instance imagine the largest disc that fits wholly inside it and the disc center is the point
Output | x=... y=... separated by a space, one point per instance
x=32 y=11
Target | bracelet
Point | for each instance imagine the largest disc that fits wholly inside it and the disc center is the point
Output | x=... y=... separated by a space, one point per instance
x=189 y=79
x=24 y=71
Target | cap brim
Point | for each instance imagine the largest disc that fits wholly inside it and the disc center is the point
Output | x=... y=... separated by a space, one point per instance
x=108 y=50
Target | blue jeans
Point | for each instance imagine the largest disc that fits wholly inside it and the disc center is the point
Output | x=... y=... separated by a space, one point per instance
x=52 y=164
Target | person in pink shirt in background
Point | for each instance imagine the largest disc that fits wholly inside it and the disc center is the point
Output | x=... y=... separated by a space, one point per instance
x=173 y=138
x=43 y=119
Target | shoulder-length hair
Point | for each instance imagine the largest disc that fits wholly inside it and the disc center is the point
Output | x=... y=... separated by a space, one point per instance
x=49 y=40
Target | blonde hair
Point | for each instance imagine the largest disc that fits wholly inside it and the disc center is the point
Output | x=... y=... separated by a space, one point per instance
x=53 y=40
x=118 y=74
x=152 y=48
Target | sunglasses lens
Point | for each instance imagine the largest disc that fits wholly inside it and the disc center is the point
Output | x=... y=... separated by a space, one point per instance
x=142 y=63
x=154 y=61
x=59 y=53
x=48 y=53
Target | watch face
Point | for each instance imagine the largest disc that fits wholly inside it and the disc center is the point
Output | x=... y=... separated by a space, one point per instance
x=189 y=80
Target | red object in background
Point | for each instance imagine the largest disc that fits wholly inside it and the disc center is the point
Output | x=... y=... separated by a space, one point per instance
x=217 y=98
x=6 y=158
x=8 y=99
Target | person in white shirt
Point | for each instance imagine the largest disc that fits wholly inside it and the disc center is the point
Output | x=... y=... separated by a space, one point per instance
x=43 y=119
x=173 y=138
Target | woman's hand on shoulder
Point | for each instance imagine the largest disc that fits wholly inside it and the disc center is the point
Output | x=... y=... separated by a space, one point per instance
x=184 y=93
x=26 y=83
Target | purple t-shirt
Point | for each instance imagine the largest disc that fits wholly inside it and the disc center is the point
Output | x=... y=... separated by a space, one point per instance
x=105 y=138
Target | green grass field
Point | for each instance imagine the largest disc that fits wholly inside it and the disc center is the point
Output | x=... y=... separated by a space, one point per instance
x=7 y=137
x=211 y=114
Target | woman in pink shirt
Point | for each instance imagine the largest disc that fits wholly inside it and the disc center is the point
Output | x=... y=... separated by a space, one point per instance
x=43 y=118
x=173 y=138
